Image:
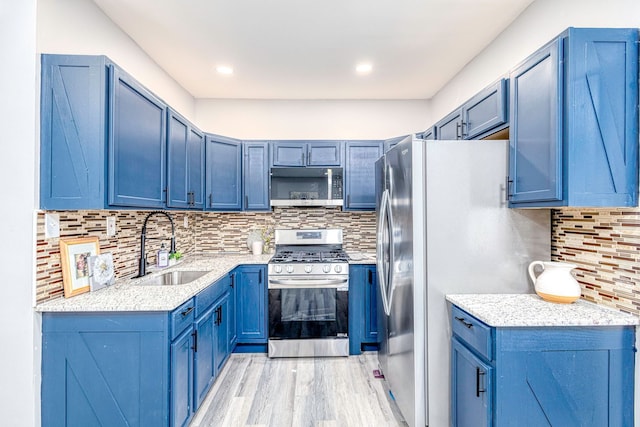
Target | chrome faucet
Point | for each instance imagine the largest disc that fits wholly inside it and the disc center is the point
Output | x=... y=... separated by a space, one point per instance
x=142 y=265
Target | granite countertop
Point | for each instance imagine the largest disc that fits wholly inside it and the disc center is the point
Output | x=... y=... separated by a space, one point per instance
x=510 y=310
x=361 y=258
x=128 y=295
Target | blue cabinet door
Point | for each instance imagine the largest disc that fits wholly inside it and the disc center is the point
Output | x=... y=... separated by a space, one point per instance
x=203 y=355
x=196 y=169
x=370 y=305
x=363 y=310
x=221 y=324
x=485 y=111
x=535 y=162
x=230 y=281
x=224 y=173
x=137 y=144
x=255 y=170
x=324 y=153
x=73 y=137
x=181 y=379
x=360 y=187
x=450 y=127
x=471 y=388
x=289 y=153
x=185 y=165
x=251 y=305
x=105 y=370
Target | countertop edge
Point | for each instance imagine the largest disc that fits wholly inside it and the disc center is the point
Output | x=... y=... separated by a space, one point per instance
x=529 y=310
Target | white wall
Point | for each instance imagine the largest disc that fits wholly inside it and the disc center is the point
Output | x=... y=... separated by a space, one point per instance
x=19 y=334
x=538 y=24
x=282 y=119
x=80 y=27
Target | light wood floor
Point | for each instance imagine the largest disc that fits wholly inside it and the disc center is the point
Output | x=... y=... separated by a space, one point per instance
x=253 y=390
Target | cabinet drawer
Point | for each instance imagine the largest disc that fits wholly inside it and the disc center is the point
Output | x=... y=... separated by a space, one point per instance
x=472 y=331
x=207 y=296
x=182 y=317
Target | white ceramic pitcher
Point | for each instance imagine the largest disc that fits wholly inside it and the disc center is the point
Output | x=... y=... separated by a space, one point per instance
x=555 y=283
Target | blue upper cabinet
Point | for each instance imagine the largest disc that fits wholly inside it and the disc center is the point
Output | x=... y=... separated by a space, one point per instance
x=185 y=165
x=73 y=137
x=137 y=145
x=224 y=174
x=430 y=134
x=307 y=153
x=449 y=127
x=255 y=170
x=485 y=111
x=327 y=153
x=360 y=189
x=483 y=114
x=574 y=122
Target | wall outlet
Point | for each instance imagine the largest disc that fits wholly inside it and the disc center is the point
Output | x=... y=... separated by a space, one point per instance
x=111 y=226
x=185 y=221
x=51 y=225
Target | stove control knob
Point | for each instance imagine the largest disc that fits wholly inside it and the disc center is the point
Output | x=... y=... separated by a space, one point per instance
x=277 y=269
x=289 y=268
x=338 y=268
x=307 y=269
x=326 y=268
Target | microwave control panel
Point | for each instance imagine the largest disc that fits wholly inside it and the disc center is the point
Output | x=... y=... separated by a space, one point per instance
x=336 y=187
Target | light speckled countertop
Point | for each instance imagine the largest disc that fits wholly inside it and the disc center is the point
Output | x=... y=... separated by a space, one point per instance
x=362 y=258
x=129 y=295
x=510 y=310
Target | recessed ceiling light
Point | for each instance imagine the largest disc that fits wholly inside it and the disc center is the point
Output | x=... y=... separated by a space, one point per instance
x=364 y=68
x=224 y=69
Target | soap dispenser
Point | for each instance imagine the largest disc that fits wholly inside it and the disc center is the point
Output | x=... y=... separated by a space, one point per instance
x=162 y=259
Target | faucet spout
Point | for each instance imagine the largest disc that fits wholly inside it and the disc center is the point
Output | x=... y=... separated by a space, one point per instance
x=142 y=265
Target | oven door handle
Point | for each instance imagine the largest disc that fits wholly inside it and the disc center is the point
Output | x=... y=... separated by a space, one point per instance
x=308 y=283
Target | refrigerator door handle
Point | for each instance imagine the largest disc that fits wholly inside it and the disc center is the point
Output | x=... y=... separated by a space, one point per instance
x=392 y=254
x=381 y=268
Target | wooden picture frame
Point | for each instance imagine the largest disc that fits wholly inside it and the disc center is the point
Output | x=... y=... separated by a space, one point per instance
x=73 y=258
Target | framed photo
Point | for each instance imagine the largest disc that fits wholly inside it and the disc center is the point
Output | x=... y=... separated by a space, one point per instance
x=74 y=257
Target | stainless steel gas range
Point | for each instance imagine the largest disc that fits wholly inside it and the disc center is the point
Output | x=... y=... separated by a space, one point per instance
x=308 y=294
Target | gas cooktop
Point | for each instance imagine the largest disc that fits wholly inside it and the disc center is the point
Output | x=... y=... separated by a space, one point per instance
x=306 y=256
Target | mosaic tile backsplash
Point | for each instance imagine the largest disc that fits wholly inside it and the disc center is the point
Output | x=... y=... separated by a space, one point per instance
x=207 y=232
x=605 y=245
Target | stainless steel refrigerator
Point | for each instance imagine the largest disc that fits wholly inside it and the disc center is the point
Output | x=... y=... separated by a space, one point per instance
x=443 y=226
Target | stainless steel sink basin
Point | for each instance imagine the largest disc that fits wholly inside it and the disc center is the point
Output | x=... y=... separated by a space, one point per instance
x=173 y=278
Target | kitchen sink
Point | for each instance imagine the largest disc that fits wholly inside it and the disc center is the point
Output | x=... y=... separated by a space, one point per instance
x=173 y=278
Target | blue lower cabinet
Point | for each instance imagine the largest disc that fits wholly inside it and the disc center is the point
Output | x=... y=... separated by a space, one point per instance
x=230 y=282
x=363 y=311
x=471 y=391
x=559 y=376
x=182 y=404
x=221 y=349
x=203 y=356
x=109 y=369
x=251 y=304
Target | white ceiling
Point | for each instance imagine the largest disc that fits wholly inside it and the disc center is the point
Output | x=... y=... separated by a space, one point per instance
x=308 y=49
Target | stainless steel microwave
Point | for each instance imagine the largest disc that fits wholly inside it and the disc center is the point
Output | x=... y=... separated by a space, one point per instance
x=306 y=187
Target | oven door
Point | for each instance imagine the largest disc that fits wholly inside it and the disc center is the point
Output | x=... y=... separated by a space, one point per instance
x=306 y=308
